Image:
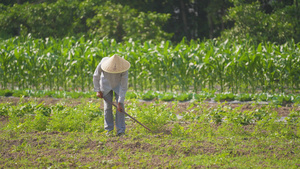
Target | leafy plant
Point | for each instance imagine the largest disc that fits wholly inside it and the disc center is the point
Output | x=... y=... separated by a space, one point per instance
x=166 y=96
x=20 y=93
x=178 y=131
x=244 y=97
x=293 y=117
x=241 y=118
x=131 y=95
x=184 y=97
x=224 y=97
x=203 y=96
x=297 y=99
x=216 y=115
x=282 y=99
x=262 y=97
x=5 y=109
x=6 y=93
x=149 y=95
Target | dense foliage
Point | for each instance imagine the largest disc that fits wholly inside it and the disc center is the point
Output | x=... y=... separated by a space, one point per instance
x=217 y=65
x=276 y=21
x=76 y=18
x=262 y=20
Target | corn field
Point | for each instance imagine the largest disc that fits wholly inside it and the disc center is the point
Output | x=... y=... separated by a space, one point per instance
x=69 y=63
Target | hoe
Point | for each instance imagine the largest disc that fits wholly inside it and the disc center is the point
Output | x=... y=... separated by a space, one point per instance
x=128 y=115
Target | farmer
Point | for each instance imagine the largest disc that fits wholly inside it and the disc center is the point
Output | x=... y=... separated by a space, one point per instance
x=111 y=76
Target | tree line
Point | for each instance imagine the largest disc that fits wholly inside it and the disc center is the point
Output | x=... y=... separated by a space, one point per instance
x=156 y=20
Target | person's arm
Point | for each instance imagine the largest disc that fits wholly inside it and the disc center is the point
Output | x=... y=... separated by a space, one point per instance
x=96 y=80
x=123 y=90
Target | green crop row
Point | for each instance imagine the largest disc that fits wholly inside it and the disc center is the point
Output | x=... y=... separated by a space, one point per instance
x=69 y=63
x=46 y=93
x=277 y=99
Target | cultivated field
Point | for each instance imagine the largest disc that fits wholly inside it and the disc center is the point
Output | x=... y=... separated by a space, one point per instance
x=68 y=133
x=211 y=104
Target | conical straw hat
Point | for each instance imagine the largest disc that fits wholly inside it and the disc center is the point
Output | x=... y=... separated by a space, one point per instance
x=115 y=64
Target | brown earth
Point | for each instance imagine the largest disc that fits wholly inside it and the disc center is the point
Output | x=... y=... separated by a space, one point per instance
x=43 y=142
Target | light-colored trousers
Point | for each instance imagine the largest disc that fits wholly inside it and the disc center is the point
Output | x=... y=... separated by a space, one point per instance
x=109 y=117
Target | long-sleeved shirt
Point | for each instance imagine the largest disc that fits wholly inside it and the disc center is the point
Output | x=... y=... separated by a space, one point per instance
x=105 y=82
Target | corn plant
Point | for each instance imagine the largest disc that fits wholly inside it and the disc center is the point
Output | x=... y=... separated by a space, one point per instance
x=222 y=66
